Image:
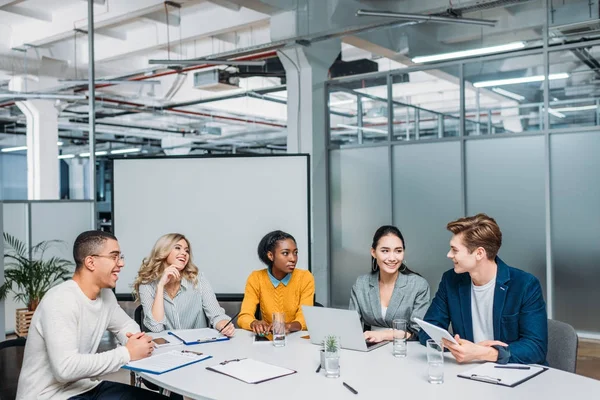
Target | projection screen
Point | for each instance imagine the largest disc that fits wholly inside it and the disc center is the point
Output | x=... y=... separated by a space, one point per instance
x=223 y=204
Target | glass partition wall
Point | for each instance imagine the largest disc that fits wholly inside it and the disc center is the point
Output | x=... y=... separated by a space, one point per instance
x=501 y=134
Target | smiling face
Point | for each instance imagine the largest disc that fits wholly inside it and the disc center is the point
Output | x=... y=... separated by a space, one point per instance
x=389 y=253
x=284 y=256
x=107 y=264
x=179 y=255
x=463 y=259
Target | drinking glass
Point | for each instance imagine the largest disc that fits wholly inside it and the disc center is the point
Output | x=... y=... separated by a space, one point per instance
x=332 y=356
x=278 y=329
x=399 y=347
x=435 y=362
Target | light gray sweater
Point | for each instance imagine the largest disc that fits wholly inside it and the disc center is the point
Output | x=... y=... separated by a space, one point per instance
x=60 y=356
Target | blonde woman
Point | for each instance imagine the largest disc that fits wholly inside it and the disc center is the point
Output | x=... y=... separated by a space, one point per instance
x=173 y=293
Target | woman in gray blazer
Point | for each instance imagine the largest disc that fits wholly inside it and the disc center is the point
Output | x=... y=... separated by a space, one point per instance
x=391 y=291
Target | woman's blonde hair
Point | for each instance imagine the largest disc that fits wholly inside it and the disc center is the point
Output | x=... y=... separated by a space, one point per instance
x=154 y=265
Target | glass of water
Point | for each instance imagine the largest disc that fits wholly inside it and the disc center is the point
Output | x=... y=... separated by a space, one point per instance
x=435 y=362
x=399 y=348
x=278 y=329
x=331 y=346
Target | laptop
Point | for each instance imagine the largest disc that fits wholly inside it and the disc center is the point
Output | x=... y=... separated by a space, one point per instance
x=323 y=321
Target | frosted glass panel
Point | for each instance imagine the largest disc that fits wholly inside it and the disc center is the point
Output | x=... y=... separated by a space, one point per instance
x=360 y=199
x=575 y=198
x=427 y=195
x=61 y=220
x=505 y=179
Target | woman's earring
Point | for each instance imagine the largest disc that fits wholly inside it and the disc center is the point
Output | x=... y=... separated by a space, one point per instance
x=374 y=266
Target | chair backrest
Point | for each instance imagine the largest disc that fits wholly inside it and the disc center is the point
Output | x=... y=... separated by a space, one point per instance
x=231 y=307
x=138 y=317
x=11 y=360
x=562 y=346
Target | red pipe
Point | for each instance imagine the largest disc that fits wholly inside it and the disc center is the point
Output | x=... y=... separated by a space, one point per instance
x=189 y=112
x=194 y=68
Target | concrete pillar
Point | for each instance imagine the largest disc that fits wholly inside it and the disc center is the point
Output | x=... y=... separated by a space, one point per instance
x=307 y=72
x=42 y=138
x=78 y=173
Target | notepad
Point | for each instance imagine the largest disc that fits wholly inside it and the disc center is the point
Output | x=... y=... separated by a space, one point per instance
x=250 y=371
x=165 y=362
x=502 y=376
x=197 y=336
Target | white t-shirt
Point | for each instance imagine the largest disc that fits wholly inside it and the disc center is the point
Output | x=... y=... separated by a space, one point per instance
x=381 y=328
x=60 y=355
x=482 y=311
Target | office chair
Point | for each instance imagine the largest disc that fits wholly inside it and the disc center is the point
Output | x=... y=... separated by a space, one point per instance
x=11 y=360
x=562 y=346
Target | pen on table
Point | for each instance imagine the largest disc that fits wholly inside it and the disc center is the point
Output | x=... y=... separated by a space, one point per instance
x=350 y=388
x=227 y=324
x=192 y=352
x=318 y=369
x=512 y=366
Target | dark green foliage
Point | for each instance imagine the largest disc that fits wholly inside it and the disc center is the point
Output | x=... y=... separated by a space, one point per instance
x=30 y=278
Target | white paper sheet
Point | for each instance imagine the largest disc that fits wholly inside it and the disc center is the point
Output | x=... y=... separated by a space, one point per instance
x=500 y=374
x=435 y=332
x=251 y=371
x=165 y=362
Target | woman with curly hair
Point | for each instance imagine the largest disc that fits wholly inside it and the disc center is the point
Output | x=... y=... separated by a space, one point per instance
x=173 y=294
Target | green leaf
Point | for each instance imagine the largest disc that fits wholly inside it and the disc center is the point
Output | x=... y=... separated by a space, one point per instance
x=30 y=278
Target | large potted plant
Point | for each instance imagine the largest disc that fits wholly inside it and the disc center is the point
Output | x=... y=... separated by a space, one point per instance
x=28 y=275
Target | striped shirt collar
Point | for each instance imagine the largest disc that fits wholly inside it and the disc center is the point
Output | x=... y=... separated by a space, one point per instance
x=276 y=282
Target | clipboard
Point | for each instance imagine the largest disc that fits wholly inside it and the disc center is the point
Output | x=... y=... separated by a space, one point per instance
x=250 y=371
x=165 y=362
x=191 y=337
x=504 y=375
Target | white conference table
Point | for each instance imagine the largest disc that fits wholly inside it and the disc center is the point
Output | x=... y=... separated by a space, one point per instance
x=374 y=374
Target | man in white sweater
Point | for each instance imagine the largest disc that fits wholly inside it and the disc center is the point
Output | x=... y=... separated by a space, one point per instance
x=60 y=359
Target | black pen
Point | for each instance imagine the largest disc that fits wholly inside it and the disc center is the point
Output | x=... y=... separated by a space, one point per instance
x=318 y=369
x=512 y=366
x=350 y=388
x=227 y=324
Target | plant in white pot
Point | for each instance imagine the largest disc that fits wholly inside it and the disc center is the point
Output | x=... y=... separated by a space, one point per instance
x=27 y=277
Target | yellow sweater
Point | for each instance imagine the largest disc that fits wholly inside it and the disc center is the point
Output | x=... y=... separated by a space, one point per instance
x=288 y=299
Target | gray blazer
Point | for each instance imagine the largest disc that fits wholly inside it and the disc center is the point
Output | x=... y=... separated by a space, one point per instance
x=410 y=299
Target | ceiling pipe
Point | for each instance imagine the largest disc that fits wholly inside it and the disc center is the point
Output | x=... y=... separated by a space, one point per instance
x=426 y=18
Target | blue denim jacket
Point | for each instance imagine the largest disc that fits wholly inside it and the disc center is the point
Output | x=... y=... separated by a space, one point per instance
x=519 y=313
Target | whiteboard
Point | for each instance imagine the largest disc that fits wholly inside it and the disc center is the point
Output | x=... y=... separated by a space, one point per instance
x=224 y=205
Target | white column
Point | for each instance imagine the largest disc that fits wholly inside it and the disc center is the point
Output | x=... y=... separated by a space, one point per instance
x=42 y=138
x=307 y=72
x=78 y=168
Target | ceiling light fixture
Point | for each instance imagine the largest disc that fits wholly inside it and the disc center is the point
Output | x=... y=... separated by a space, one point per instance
x=515 y=81
x=201 y=61
x=64 y=156
x=125 y=151
x=470 y=53
x=425 y=18
x=98 y=153
x=556 y=113
x=576 y=108
x=506 y=93
x=11 y=149
x=362 y=128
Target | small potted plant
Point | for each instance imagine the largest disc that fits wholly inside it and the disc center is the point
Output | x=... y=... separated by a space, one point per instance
x=28 y=275
x=331 y=345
